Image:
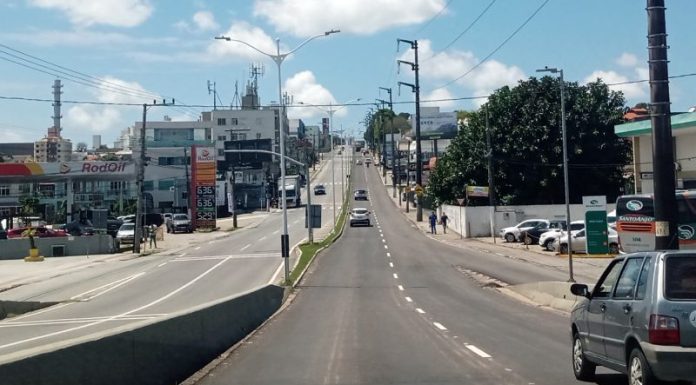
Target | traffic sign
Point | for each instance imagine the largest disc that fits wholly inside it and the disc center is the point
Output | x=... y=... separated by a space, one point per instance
x=460 y=201
x=418 y=189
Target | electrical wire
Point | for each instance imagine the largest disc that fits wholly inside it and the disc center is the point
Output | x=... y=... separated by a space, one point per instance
x=434 y=17
x=498 y=47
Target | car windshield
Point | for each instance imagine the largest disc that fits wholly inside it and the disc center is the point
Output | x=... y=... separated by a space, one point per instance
x=180 y=217
x=360 y=211
x=127 y=226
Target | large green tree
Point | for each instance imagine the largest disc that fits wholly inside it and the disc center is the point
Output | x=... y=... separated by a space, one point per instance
x=526 y=137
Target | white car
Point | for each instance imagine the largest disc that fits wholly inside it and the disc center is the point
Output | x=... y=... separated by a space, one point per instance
x=578 y=239
x=126 y=233
x=513 y=234
x=547 y=239
x=358 y=162
x=359 y=216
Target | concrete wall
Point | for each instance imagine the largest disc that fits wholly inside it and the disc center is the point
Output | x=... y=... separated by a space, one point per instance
x=475 y=221
x=153 y=353
x=18 y=248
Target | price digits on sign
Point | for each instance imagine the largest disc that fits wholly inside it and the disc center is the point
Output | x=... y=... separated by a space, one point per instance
x=205 y=190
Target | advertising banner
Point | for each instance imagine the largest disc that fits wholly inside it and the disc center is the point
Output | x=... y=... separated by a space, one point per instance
x=109 y=170
x=203 y=171
x=477 y=191
x=437 y=125
x=596 y=231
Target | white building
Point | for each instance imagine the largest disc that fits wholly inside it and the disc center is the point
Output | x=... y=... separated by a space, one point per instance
x=53 y=149
x=244 y=124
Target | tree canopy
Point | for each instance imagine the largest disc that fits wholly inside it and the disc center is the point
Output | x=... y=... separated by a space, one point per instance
x=526 y=138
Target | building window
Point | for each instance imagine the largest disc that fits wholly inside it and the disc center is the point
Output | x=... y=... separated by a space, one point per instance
x=242 y=137
x=258 y=135
x=165 y=185
x=149 y=185
x=222 y=138
x=221 y=122
x=221 y=152
x=234 y=121
x=234 y=136
x=4 y=190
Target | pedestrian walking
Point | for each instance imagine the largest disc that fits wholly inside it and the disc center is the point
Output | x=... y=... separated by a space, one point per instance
x=443 y=220
x=153 y=236
x=433 y=223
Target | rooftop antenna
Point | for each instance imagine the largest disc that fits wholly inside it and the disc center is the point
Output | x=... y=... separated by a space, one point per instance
x=212 y=89
x=236 y=100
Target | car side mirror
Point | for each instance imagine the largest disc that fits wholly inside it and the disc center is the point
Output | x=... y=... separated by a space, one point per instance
x=580 y=289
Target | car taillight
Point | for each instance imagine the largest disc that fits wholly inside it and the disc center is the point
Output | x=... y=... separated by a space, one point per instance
x=663 y=330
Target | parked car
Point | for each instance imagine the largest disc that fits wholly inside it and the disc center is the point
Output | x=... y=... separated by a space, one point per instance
x=531 y=236
x=126 y=233
x=547 y=239
x=358 y=162
x=368 y=160
x=578 y=242
x=39 y=232
x=180 y=222
x=112 y=226
x=360 y=195
x=512 y=234
x=319 y=189
x=359 y=216
x=639 y=319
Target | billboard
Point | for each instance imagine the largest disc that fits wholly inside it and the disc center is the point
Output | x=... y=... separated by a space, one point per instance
x=203 y=169
x=51 y=171
x=437 y=125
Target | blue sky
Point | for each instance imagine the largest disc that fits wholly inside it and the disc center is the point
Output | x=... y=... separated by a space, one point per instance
x=151 y=48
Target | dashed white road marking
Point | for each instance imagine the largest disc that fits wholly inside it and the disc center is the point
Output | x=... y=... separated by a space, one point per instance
x=198 y=248
x=408 y=299
x=396 y=276
x=419 y=310
x=262 y=238
x=388 y=255
x=386 y=247
x=440 y=326
x=245 y=247
x=500 y=254
x=401 y=288
x=478 y=351
x=276 y=232
x=391 y=264
x=162 y=264
x=384 y=240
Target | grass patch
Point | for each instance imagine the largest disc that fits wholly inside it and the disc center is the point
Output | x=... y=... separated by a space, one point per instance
x=309 y=251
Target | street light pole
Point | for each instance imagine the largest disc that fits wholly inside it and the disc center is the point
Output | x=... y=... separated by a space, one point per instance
x=278 y=58
x=391 y=128
x=565 y=167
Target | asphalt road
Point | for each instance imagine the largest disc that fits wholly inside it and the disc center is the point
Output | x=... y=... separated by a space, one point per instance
x=387 y=305
x=104 y=297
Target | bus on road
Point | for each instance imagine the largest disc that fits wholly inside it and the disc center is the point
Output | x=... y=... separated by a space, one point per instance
x=635 y=221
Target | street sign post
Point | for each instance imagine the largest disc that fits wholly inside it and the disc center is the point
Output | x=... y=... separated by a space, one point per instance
x=596 y=230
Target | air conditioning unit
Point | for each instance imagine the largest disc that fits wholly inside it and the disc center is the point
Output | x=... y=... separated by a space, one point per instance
x=58 y=250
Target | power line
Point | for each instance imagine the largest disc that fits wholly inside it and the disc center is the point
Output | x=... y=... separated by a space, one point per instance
x=647 y=80
x=498 y=47
x=464 y=31
x=433 y=18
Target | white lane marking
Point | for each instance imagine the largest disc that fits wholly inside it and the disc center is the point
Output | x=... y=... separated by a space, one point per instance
x=182 y=254
x=401 y=288
x=408 y=299
x=500 y=254
x=46 y=310
x=391 y=264
x=245 y=247
x=106 y=288
x=232 y=256
x=276 y=232
x=155 y=302
x=162 y=264
x=419 y=310
x=384 y=240
x=198 y=248
x=478 y=351
x=67 y=321
x=396 y=276
x=386 y=247
x=439 y=326
x=262 y=238
x=388 y=255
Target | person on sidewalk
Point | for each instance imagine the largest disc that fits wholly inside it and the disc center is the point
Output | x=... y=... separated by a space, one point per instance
x=443 y=219
x=433 y=223
x=153 y=236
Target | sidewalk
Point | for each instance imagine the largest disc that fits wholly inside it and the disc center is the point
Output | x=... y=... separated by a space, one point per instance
x=548 y=294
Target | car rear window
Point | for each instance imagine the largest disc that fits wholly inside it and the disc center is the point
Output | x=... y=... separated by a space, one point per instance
x=180 y=217
x=358 y=211
x=680 y=278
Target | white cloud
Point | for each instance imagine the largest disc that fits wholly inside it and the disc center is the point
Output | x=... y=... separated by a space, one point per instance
x=120 y=13
x=205 y=20
x=630 y=91
x=305 y=90
x=247 y=33
x=449 y=65
x=361 y=17
x=12 y=135
x=83 y=120
x=80 y=38
x=627 y=60
x=439 y=94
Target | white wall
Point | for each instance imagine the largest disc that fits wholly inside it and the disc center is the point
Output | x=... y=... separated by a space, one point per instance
x=476 y=222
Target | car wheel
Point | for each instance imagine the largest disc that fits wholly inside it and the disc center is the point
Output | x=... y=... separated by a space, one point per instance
x=509 y=237
x=583 y=369
x=639 y=372
x=563 y=249
x=528 y=240
x=613 y=248
x=548 y=245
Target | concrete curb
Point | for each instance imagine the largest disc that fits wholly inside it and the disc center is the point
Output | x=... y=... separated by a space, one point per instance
x=552 y=294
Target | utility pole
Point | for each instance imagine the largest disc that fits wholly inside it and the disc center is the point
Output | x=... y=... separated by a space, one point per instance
x=660 y=116
x=384 y=138
x=491 y=186
x=391 y=128
x=140 y=178
x=188 y=184
x=416 y=89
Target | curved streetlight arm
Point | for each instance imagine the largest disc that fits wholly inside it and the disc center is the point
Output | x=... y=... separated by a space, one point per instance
x=246 y=44
x=327 y=33
x=279 y=56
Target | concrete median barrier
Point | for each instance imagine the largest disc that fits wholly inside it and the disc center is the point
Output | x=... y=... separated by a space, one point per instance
x=555 y=295
x=148 y=353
